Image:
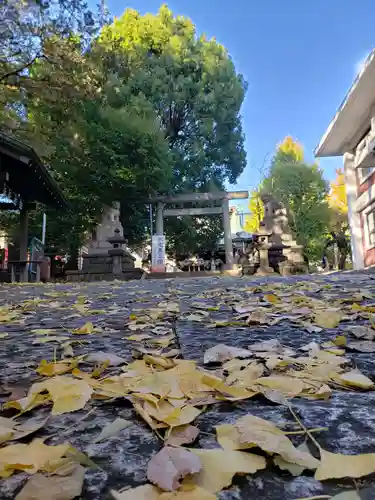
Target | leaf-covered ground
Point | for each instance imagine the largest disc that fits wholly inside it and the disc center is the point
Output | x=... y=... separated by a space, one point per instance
x=96 y=360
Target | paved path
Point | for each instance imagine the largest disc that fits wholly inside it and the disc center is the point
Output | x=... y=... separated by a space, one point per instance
x=122 y=460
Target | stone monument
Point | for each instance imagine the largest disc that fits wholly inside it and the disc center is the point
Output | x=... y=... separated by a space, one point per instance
x=106 y=258
x=284 y=254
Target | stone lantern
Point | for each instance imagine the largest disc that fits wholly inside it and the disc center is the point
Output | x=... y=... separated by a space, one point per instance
x=263 y=246
x=117 y=253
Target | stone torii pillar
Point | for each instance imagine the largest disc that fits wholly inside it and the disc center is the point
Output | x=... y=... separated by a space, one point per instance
x=223 y=210
x=228 y=245
x=160 y=218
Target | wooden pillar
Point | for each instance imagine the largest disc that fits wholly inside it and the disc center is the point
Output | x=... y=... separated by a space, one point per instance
x=24 y=230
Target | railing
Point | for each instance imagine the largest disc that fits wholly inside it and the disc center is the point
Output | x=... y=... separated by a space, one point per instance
x=364 y=154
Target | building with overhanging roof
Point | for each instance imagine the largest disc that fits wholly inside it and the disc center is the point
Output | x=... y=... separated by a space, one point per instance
x=351 y=134
x=24 y=180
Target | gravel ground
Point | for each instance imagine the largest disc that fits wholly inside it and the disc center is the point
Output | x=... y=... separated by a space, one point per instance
x=122 y=460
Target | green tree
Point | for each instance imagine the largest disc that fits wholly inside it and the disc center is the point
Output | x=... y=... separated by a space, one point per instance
x=303 y=191
x=158 y=62
x=32 y=31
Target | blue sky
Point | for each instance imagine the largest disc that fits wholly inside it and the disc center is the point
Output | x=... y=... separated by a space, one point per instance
x=299 y=58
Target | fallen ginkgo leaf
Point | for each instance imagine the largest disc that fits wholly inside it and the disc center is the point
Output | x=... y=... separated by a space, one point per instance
x=112 y=428
x=336 y=465
x=220 y=466
x=188 y=492
x=184 y=434
x=271 y=439
x=87 y=328
x=31 y=458
x=170 y=465
x=354 y=378
x=52 y=369
x=144 y=492
x=221 y=353
x=44 y=340
x=57 y=487
x=105 y=357
x=327 y=318
x=67 y=394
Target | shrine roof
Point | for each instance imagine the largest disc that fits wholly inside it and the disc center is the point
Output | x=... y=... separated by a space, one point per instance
x=28 y=176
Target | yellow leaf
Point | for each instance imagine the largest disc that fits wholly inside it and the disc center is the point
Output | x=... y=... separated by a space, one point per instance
x=51 y=369
x=324 y=392
x=288 y=386
x=272 y=440
x=64 y=487
x=341 y=340
x=44 y=340
x=3 y=335
x=85 y=329
x=336 y=351
x=144 y=492
x=182 y=416
x=246 y=377
x=228 y=438
x=219 y=467
x=188 y=492
x=294 y=469
x=236 y=364
x=227 y=390
x=354 y=378
x=112 y=428
x=28 y=403
x=336 y=465
x=146 y=417
x=163 y=342
x=181 y=435
x=139 y=326
x=158 y=361
x=272 y=298
x=31 y=457
x=68 y=394
x=327 y=319
x=43 y=331
x=138 y=337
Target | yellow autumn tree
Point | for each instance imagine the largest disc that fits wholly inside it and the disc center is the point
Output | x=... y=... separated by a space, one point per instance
x=256 y=209
x=338 y=202
x=337 y=193
x=292 y=148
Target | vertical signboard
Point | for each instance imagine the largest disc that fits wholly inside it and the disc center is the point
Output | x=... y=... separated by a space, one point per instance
x=158 y=253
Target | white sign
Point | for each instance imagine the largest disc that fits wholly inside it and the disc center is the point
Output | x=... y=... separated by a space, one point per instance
x=158 y=253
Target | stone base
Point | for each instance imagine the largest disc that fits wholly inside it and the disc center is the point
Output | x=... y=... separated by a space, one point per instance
x=182 y=274
x=264 y=271
x=131 y=274
x=290 y=268
x=99 y=263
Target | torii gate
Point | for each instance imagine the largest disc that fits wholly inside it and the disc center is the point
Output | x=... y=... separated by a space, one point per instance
x=224 y=196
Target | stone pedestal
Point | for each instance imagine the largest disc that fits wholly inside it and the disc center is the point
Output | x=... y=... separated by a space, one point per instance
x=107 y=260
x=264 y=268
x=285 y=254
x=117 y=255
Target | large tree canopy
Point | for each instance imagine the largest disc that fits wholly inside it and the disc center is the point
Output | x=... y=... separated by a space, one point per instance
x=191 y=84
x=158 y=62
x=145 y=108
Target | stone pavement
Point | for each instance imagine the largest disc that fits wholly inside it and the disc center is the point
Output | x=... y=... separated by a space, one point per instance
x=122 y=460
